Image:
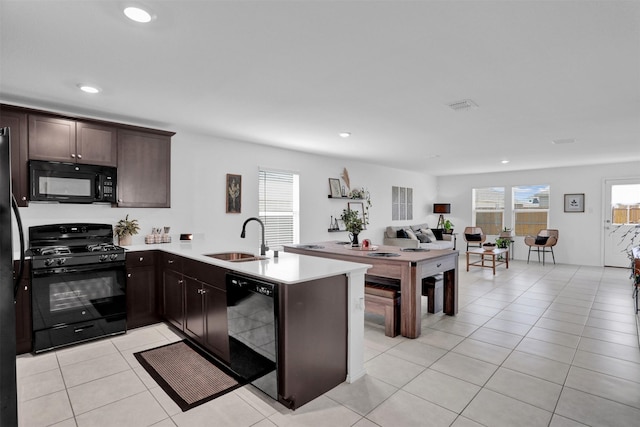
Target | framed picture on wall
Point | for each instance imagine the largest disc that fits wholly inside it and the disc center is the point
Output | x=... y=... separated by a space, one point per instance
x=574 y=202
x=334 y=187
x=234 y=193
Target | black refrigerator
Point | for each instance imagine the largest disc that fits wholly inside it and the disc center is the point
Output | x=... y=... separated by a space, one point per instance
x=8 y=287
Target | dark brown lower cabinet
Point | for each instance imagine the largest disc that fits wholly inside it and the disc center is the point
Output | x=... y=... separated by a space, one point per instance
x=23 y=312
x=141 y=289
x=206 y=307
x=173 y=294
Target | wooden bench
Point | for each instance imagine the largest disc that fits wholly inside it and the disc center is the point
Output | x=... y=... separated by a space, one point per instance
x=383 y=299
x=432 y=289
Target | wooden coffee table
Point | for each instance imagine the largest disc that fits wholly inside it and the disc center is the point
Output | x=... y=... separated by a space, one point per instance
x=492 y=257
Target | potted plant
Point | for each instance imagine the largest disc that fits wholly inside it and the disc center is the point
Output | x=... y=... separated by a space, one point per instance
x=126 y=228
x=502 y=243
x=353 y=223
x=448 y=227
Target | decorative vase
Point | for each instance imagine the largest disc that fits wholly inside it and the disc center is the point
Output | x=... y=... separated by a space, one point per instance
x=354 y=240
x=124 y=240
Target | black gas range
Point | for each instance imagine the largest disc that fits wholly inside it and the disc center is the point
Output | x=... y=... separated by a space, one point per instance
x=78 y=284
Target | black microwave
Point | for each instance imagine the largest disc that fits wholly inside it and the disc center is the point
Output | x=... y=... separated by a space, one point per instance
x=71 y=182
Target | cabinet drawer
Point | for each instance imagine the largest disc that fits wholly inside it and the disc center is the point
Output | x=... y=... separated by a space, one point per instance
x=140 y=259
x=173 y=262
x=439 y=265
x=205 y=273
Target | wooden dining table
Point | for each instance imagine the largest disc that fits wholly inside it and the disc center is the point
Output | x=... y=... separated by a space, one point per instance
x=407 y=268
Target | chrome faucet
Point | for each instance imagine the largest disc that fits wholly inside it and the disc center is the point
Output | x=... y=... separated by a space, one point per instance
x=263 y=246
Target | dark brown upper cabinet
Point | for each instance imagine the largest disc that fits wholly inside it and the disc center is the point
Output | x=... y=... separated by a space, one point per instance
x=144 y=169
x=67 y=140
x=96 y=144
x=16 y=121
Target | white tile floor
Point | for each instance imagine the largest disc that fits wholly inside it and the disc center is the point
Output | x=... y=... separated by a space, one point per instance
x=532 y=346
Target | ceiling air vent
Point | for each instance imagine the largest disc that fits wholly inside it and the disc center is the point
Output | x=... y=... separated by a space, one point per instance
x=464 y=105
x=563 y=141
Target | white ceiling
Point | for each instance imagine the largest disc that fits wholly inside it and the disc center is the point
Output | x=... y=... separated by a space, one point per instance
x=294 y=74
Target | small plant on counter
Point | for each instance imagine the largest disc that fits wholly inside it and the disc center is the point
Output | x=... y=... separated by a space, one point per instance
x=126 y=228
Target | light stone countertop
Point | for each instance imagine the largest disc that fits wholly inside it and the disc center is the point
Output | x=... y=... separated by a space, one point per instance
x=287 y=268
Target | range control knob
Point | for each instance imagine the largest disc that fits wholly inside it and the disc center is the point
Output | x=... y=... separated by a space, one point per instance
x=48 y=262
x=113 y=257
x=61 y=261
x=103 y=257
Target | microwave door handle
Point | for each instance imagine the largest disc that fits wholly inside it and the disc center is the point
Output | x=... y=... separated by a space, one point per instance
x=98 y=188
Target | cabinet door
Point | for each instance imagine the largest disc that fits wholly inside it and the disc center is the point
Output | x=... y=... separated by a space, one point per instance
x=23 y=312
x=141 y=297
x=216 y=334
x=144 y=170
x=194 y=316
x=96 y=144
x=16 y=121
x=173 y=298
x=51 y=138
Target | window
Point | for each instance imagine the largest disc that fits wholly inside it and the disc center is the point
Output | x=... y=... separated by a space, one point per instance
x=488 y=209
x=530 y=209
x=625 y=200
x=278 y=206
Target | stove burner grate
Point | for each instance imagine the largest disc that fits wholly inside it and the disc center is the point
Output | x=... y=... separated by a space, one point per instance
x=55 y=250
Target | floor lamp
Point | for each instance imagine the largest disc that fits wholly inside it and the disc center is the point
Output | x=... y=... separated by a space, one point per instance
x=441 y=208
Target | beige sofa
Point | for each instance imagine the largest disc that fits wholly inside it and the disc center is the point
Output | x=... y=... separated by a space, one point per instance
x=417 y=232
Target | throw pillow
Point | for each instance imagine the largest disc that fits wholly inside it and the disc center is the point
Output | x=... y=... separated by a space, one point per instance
x=427 y=232
x=541 y=240
x=411 y=234
x=423 y=238
x=473 y=237
x=401 y=234
x=437 y=232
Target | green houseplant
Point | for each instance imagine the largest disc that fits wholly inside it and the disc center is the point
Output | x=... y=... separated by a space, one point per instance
x=353 y=224
x=126 y=228
x=502 y=243
x=448 y=226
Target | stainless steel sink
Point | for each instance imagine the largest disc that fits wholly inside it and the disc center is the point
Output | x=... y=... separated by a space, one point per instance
x=236 y=256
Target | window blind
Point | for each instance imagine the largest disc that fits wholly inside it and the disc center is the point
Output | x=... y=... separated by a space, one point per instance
x=278 y=206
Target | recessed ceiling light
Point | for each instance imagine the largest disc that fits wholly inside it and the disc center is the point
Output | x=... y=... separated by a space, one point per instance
x=89 y=88
x=137 y=14
x=504 y=162
x=345 y=134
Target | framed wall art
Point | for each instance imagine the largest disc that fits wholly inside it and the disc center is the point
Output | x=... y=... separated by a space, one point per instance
x=234 y=193
x=574 y=202
x=334 y=187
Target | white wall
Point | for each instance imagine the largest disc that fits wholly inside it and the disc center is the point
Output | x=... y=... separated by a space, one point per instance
x=199 y=167
x=581 y=234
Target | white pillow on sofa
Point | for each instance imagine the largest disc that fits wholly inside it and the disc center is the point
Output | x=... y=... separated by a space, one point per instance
x=427 y=232
x=411 y=234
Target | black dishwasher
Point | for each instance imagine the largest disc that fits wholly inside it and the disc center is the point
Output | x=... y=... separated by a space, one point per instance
x=253 y=334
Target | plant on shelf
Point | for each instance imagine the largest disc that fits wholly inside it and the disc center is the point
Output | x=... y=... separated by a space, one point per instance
x=353 y=224
x=126 y=228
x=502 y=243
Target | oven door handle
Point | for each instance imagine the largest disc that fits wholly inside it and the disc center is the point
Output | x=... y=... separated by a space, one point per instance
x=77 y=269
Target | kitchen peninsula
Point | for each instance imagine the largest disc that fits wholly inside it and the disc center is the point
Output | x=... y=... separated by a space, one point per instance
x=319 y=309
x=407 y=267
